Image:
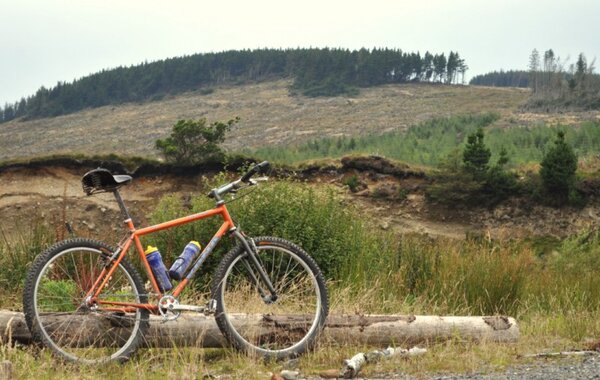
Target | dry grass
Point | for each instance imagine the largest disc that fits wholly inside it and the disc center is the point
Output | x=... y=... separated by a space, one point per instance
x=269 y=115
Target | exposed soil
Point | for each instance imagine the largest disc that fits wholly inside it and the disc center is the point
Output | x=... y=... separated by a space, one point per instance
x=393 y=196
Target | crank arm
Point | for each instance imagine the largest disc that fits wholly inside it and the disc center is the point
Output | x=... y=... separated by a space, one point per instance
x=209 y=308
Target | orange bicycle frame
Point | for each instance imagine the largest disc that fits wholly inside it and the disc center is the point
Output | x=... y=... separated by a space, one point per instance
x=134 y=238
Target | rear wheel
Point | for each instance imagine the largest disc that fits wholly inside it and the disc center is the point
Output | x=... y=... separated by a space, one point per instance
x=58 y=315
x=248 y=315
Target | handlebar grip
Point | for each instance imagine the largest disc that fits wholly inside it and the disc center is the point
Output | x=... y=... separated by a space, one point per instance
x=258 y=168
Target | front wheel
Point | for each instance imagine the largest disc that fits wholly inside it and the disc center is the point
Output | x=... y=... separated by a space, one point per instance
x=56 y=311
x=255 y=321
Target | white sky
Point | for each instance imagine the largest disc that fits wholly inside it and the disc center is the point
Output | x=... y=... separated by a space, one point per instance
x=44 y=41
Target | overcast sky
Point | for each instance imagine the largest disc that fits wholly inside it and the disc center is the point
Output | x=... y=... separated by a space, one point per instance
x=45 y=41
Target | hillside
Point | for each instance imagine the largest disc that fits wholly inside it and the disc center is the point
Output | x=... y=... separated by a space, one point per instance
x=269 y=115
x=315 y=72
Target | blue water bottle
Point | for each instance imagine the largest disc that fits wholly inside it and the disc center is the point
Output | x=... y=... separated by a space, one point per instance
x=182 y=263
x=158 y=268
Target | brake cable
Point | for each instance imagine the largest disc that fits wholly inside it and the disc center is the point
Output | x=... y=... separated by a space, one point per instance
x=233 y=199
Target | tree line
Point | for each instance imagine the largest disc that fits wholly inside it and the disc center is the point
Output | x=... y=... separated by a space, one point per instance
x=316 y=72
x=510 y=78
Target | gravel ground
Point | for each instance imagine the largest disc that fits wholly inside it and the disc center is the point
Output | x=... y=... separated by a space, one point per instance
x=586 y=368
x=543 y=369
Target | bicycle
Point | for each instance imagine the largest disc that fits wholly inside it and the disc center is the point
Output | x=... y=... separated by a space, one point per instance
x=85 y=300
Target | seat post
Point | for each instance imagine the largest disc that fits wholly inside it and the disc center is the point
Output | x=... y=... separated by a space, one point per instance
x=122 y=206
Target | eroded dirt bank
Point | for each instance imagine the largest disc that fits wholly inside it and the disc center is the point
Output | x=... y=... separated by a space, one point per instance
x=393 y=195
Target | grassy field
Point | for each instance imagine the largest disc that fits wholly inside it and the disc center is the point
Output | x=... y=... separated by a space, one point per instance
x=552 y=287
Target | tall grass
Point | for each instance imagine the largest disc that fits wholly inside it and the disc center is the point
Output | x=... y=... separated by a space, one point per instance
x=18 y=251
x=431 y=141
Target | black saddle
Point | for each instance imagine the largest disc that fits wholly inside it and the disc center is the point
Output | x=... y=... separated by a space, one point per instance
x=101 y=180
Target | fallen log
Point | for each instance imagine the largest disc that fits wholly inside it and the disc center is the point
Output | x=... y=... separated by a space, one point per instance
x=380 y=330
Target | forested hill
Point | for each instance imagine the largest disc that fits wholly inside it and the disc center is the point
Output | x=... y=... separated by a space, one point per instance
x=316 y=72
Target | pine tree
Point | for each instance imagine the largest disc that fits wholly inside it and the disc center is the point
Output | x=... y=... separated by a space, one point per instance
x=439 y=67
x=476 y=156
x=558 y=168
x=9 y=112
x=499 y=184
x=427 y=65
x=451 y=67
x=580 y=74
x=534 y=68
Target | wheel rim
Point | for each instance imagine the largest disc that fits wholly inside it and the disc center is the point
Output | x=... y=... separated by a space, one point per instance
x=281 y=326
x=77 y=332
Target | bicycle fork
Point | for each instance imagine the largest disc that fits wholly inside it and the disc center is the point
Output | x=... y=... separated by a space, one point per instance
x=251 y=260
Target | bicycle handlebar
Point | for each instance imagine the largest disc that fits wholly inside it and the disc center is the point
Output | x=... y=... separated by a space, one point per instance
x=258 y=168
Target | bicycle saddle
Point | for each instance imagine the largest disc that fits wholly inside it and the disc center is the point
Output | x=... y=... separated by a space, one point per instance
x=101 y=180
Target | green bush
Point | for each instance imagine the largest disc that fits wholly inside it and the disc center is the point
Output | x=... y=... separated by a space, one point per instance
x=499 y=183
x=372 y=270
x=418 y=264
x=352 y=182
x=452 y=184
x=314 y=219
x=193 y=142
x=59 y=289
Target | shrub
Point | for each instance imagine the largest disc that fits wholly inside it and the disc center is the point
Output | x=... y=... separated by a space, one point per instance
x=418 y=264
x=452 y=184
x=352 y=182
x=193 y=142
x=440 y=275
x=473 y=181
x=474 y=277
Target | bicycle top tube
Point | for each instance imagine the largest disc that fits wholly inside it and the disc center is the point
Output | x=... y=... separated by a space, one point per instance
x=219 y=210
